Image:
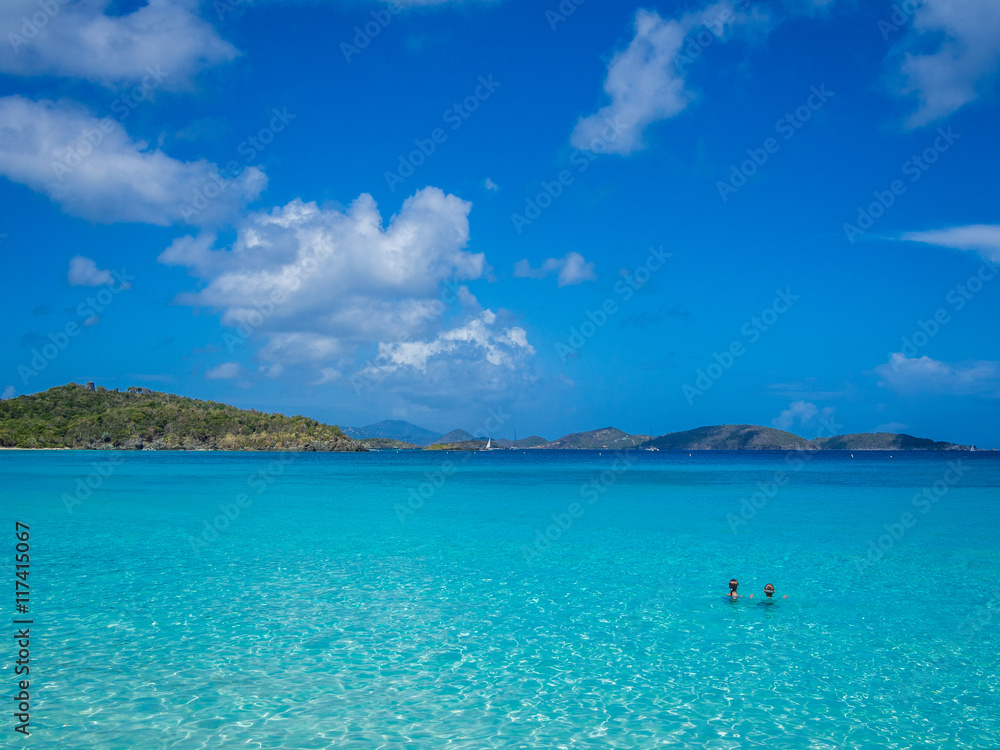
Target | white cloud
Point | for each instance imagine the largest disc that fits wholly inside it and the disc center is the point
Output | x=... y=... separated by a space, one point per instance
x=84 y=272
x=477 y=360
x=922 y=375
x=193 y=252
x=49 y=146
x=801 y=412
x=82 y=40
x=328 y=375
x=966 y=54
x=8 y=393
x=573 y=269
x=322 y=285
x=981 y=238
x=491 y=186
x=225 y=371
x=342 y=279
x=645 y=81
x=804 y=418
x=499 y=347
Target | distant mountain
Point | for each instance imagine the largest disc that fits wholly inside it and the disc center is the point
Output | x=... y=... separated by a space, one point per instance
x=394 y=429
x=730 y=437
x=455 y=436
x=606 y=437
x=529 y=442
x=738 y=437
x=882 y=441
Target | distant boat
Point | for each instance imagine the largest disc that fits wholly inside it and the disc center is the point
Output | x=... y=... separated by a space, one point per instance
x=653 y=448
x=489 y=445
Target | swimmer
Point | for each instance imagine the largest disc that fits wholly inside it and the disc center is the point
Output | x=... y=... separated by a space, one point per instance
x=733 y=585
x=769 y=592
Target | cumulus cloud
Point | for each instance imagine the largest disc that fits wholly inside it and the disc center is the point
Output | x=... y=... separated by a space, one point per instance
x=572 y=269
x=82 y=40
x=491 y=186
x=481 y=358
x=225 y=371
x=84 y=272
x=963 y=35
x=323 y=285
x=804 y=414
x=8 y=393
x=498 y=347
x=980 y=238
x=93 y=169
x=913 y=376
x=646 y=82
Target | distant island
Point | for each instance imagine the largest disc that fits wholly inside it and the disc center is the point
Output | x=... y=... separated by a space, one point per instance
x=91 y=417
x=741 y=437
x=738 y=437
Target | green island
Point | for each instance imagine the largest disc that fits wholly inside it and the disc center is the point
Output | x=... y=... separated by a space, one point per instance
x=77 y=416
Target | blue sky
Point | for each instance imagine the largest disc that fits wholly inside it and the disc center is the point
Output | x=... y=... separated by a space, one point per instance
x=654 y=216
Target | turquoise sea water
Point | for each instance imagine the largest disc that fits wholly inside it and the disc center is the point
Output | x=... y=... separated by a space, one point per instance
x=526 y=600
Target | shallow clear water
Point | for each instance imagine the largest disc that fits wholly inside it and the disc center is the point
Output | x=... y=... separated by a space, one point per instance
x=532 y=600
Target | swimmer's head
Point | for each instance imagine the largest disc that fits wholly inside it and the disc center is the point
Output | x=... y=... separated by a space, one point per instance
x=769 y=590
x=733 y=585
